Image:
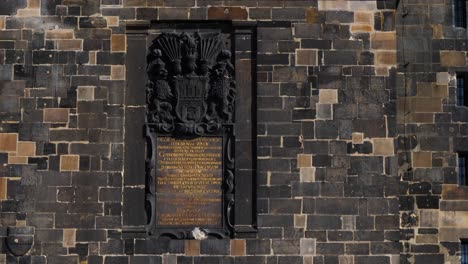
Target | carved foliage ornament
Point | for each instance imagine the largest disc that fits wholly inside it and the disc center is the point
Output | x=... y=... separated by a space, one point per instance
x=191 y=89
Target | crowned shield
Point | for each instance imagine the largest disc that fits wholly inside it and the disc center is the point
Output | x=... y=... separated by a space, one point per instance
x=191 y=97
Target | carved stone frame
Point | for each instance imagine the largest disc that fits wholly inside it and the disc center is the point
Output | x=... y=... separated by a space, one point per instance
x=135 y=220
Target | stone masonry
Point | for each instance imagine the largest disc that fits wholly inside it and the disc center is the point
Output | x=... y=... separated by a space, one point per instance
x=357 y=132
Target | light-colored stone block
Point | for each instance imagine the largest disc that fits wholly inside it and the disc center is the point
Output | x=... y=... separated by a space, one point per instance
x=357 y=138
x=456 y=219
x=328 y=96
x=192 y=247
x=363 y=17
x=118 y=72
x=451 y=234
x=422 y=159
x=307 y=174
x=3 y=188
x=443 y=77
x=333 y=5
x=26 y=148
x=70 y=44
x=69 y=163
x=69 y=237
x=17 y=159
x=29 y=12
x=118 y=43
x=8 y=142
x=112 y=21
x=429 y=218
x=385 y=58
x=346 y=259
x=304 y=160
x=361 y=28
x=238 y=247
x=307 y=246
x=300 y=221
x=383 y=146
x=453 y=58
x=384 y=40
x=60 y=34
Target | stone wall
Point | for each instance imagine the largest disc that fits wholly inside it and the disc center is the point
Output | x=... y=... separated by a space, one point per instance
x=432 y=129
x=338 y=168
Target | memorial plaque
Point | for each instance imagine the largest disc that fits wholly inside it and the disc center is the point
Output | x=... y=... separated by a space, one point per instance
x=199 y=129
x=190 y=124
x=188 y=187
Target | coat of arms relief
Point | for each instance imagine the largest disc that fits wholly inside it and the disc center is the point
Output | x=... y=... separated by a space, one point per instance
x=191 y=88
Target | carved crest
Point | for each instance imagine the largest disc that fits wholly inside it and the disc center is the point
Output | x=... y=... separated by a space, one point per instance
x=191 y=86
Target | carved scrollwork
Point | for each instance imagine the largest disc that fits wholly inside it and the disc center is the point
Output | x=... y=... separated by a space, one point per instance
x=191 y=89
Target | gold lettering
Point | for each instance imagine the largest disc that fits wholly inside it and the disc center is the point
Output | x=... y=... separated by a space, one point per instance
x=189 y=179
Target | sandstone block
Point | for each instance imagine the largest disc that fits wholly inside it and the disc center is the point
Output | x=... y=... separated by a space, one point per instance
x=383 y=146
x=306 y=57
x=420 y=118
x=384 y=40
x=112 y=21
x=363 y=17
x=29 y=12
x=357 y=138
x=26 y=148
x=2 y=22
x=59 y=34
x=70 y=44
x=438 y=31
x=314 y=16
x=333 y=5
x=328 y=96
x=118 y=72
x=192 y=247
x=69 y=237
x=453 y=58
x=443 y=78
x=426 y=105
x=238 y=247
x=361 y=28
x=456 y=219
x=386 y=58
x=8 y=142
x=3 y=188
x=299 y=221
x=34 y=3
x=422 y=159
x=307 y=174
x=69 y=163
x=304 y=160
x=454 y=192
x=307 y=246
x=452 y=234
x=429 y=218
x=440 y=90
x=118 y=42
x=17 y=160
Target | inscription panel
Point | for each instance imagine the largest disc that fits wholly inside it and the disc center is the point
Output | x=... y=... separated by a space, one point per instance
x=189 y=181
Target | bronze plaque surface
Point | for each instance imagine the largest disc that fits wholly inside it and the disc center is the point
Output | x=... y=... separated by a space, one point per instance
x=188 y=185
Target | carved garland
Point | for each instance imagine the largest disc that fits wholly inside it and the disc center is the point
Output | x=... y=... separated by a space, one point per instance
x=190 y=92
